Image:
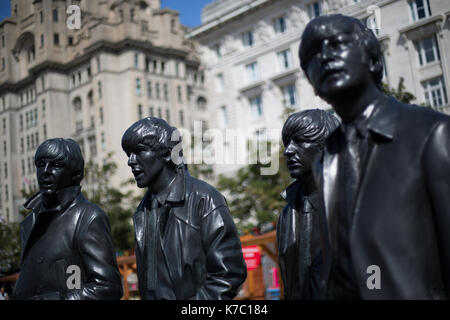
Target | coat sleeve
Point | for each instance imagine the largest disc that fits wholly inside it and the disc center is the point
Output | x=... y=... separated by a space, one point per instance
x=437 y=174
x=225 y=266
x=102 y=277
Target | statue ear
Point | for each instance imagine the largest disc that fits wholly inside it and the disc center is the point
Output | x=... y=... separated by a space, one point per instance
x=76 y=179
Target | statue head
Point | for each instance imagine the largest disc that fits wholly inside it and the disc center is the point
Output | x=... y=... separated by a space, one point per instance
x=340 y=55
x=304 y=134
x=148 y=144
x=59 y=164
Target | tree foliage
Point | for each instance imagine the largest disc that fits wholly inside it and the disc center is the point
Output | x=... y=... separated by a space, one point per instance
x=9 y=247
x=400 y=92
x=119 y=205
x=255 y=199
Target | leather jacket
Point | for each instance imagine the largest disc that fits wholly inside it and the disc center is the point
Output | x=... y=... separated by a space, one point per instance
x=401 y=212
x=55 y=243
x=200 y=247
x=298 y=238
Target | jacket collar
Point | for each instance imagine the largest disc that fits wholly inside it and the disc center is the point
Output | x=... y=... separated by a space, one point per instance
x=294 y=190
x=65 y=197
x=174 y=193
x=384 y=118
x=381 y=120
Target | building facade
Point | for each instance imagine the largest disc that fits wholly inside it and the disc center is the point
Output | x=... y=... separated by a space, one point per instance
x=125 y=60
x=250 y=53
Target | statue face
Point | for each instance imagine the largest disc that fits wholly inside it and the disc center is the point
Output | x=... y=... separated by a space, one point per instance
x=299 y=155
x=53 y=175
x=145 y=164
x=337 y=64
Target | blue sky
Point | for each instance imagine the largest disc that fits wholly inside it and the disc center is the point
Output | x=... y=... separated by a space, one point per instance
x=190 y=10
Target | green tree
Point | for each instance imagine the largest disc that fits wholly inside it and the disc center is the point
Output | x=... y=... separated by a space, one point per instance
x=254 y=199
x=400 y=92
x=9 y=247
x=119 y=205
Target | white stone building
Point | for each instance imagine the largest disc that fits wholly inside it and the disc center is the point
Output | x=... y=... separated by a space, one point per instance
x=128 y=60
x=250 y=53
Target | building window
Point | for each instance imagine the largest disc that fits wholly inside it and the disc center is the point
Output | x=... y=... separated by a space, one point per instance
x=149 y=89
x=314 y=9
x=420 y=9
x=3 y=63
x=23 y=167
x=21 y=122
x=434 y=92
x=290 y=96
x=168 y=115
x=90 y=98
x=247 y=39
x=252 y=72
x=103 y=141
x=132 y=14
x=159 y=113
x=166 y=92
x=140 y=115
x=4 y=148
x=256 y=107
x=56 y=39
x=99 y=66
x=136 y=61
x=92 y=146
x=42 y=40
x=151 y=112
x=6 y=170
x=22 y=146
x=180 y=94
x=43 y=108
x=138 y=87
x=44 y=131
x=100 y=111
x=70 y=41
x=158 y=93
x=224 y=115
x=181 y=113
x=220 y=83
x=217 y=50
x=4 y=125
x=201 y=104
x=279 y=24
x=427 y=50
x=55 y=15
x=189 y=92
x=163 y=66
x=99 y=89
x=77 y=104
x=285 y=59
x=177 y=69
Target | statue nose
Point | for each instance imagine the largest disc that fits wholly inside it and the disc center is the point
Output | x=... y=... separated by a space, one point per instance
x=131 y=159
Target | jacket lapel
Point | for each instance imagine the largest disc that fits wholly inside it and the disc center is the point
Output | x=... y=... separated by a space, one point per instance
x=139 y=225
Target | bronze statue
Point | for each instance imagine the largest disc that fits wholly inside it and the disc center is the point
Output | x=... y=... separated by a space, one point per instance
x=304 y=134
x=67 y=249
x=384 y=175
x=187 y=246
